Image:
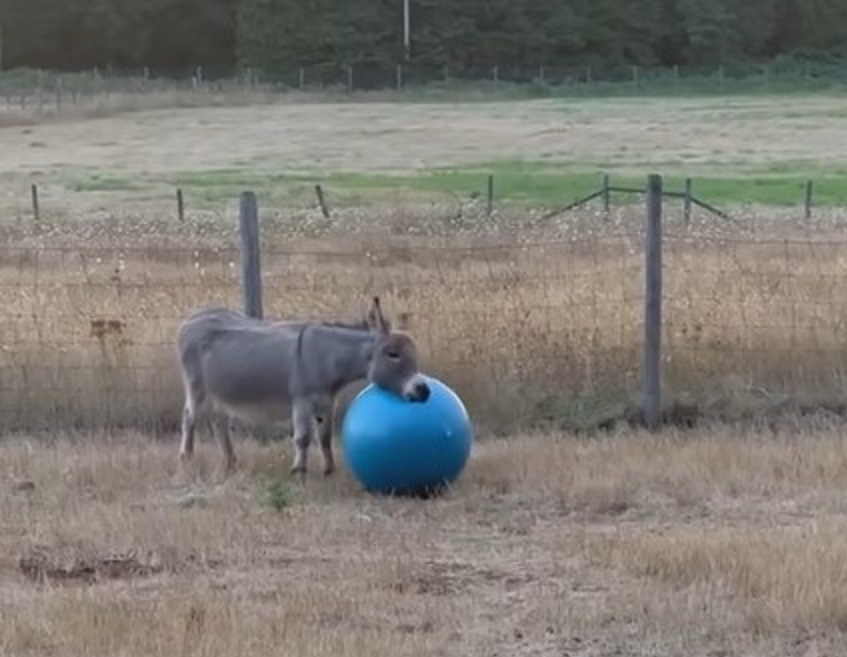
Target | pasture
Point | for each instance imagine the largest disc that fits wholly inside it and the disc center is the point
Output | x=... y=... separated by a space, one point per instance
x=725 y=538
x=738 y=149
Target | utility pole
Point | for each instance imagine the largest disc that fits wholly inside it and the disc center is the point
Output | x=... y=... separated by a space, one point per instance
x=406 y=28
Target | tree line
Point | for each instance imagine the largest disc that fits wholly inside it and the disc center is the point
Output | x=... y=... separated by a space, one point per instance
x=283 y=35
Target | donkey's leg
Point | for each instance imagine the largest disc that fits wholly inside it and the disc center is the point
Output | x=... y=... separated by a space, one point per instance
x=195 y=402
x=221 y=429
x=323 y=419
x=186 y=443
x=302 y=416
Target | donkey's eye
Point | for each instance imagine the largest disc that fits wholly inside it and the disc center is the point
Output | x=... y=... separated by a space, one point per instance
x=393 y=355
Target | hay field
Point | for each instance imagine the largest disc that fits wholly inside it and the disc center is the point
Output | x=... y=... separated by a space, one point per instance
x=138 y=159
x=701 y=543
x=726 y=538
x=385 y=136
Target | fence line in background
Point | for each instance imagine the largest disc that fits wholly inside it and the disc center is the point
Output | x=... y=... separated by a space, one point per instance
x=400 y=76
x=687 y=196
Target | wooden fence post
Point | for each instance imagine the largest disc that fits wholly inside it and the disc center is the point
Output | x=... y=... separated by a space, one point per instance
x=319 y=192
x=686 y=201
x=180 y=206
x=399 y=77
x=36 y=212
x=490 y=196
x=251 y=270
x=607 y=197
x=652 y=397
x=350 y=79
x=809 y=191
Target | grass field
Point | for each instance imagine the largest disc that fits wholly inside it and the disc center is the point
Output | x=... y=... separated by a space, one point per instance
x=738 y=150
x=723 y=539
x=712 y=542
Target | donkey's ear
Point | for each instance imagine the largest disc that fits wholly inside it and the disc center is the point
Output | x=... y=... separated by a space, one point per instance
x=376 y=320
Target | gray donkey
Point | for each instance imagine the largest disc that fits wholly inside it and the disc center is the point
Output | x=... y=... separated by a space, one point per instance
x=263 y=372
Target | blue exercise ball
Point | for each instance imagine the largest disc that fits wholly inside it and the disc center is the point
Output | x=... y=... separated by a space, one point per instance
x=398 y=447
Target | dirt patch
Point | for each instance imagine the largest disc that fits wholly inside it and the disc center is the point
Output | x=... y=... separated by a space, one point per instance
x=39 y=566
x=442 y=578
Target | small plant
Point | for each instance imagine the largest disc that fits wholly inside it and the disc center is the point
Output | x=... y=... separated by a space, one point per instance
x=275 y=493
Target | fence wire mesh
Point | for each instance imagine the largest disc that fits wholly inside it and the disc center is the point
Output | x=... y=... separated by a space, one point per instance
x=762 y=318
x=88 y=333
x=551 y=329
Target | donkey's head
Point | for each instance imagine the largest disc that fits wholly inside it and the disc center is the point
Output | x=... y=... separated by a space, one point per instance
x=394 y=361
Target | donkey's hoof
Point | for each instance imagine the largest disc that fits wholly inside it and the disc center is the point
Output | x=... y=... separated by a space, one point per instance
x=298 y=469
x=329 y=470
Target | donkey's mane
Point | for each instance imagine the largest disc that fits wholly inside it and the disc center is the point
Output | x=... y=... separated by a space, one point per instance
x=360 y=325
x=357 y=325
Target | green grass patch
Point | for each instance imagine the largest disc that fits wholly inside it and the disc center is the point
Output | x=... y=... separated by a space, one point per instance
x=528 y=182
x=541 y=182
x=98 y=182
x=275 y=493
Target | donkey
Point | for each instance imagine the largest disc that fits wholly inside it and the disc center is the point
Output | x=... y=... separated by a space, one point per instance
x=263 y=371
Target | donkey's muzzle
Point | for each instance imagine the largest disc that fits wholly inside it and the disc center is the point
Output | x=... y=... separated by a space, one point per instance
x=420 y=392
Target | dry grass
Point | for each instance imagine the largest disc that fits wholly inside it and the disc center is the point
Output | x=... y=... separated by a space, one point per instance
x=698 y=135
x=31 y=109
x=715 y=542
x=708 y=543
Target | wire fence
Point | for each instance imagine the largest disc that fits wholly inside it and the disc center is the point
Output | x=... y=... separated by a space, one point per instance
x=479 y=203
x=548 y=330
x=87 y=335
x=52 y=91
x=761 y=318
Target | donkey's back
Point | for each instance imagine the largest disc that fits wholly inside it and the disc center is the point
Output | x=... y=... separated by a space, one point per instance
x=239 y=364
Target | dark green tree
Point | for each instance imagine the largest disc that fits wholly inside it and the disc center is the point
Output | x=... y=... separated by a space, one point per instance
x=174 y=36
x=710 y=31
